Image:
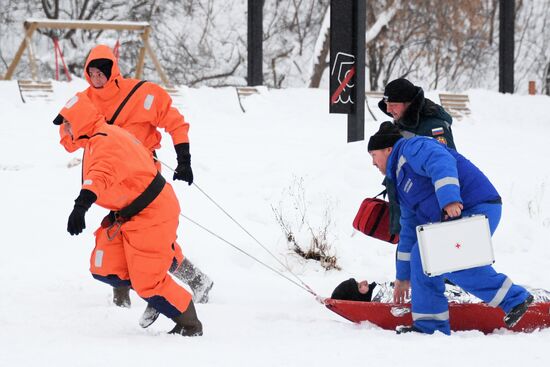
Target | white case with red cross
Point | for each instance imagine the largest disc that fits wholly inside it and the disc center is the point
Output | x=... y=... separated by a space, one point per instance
x=455 y=245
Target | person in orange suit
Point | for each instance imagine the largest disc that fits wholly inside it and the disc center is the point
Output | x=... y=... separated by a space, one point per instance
x=146 y=110
x=137 y=248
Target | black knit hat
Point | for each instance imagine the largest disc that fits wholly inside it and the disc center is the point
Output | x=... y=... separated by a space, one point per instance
x=349 y=291
x=400 y=90
x=58 y=120
x=386 y=136
x=105 y=65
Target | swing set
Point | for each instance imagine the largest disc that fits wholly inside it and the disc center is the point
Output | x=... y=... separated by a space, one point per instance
x=31 y=25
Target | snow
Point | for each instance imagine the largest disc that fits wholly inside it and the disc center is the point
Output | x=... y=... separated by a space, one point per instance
x=53 y=313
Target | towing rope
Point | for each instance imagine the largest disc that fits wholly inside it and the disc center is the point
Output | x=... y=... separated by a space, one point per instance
x=301 y=283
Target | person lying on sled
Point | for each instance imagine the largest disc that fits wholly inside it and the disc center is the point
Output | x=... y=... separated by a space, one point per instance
x=363 y=291
x=352 y=290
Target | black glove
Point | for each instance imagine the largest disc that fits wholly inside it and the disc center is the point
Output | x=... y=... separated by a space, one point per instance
x=82 y=203
x=183 y=171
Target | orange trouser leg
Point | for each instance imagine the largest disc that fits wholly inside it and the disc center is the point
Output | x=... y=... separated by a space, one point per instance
x=108 y=260
x=178 y=254
x=149 y=254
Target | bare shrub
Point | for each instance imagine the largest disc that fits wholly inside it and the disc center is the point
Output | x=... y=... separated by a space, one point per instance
x=292 y=216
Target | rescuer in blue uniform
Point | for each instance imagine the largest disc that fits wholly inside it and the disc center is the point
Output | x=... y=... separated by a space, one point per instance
x=431 y=180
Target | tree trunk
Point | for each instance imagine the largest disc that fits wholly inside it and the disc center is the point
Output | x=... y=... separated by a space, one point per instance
x=321 y=64
x=548 y=79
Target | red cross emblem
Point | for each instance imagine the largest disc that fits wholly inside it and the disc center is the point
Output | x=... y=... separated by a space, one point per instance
x=458 y=245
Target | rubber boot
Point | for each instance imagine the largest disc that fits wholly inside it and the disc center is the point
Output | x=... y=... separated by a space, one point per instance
x=199 y=283
x=121 y=296
x=513 y=317
x=187 y=323
x=150 y=315
x=404 y=329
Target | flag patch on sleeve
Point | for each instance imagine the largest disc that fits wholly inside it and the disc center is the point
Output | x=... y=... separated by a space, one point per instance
x=438 y=131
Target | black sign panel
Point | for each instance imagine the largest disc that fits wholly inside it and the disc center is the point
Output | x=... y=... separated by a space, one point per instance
x=342 y=57
x=347 y=63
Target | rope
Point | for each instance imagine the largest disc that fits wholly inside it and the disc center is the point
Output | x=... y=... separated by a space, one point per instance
x=254 y=238
x=246 y=253
x=303 y=285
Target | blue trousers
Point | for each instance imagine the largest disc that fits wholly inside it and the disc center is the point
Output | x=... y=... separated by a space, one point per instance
x=430 y=309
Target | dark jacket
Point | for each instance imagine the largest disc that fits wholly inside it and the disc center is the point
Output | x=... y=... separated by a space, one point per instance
x=425 y=118
x=349 y=291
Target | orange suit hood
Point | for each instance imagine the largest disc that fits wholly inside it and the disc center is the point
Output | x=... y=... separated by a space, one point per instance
x=84 y=120
x=111 y=88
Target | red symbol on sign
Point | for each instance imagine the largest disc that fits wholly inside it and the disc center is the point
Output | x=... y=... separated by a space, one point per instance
x=458 y=245
x=341 y=87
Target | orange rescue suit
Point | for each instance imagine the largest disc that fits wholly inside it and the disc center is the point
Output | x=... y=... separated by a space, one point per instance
x=142 y=251
x=149 y=108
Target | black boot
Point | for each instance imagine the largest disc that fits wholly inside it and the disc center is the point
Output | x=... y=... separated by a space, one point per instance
x=121 y=296
x=404 y=329
x=513 y=317
x=187 y=323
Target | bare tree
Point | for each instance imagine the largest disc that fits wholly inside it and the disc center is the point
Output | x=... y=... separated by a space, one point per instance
x=291 y=29
x=443 y=44
x=546 y=80
x=320 y=52
x=532 y=47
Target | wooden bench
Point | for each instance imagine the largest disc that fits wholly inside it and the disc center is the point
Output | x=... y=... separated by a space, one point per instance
x=373 y=97
x=457 y=105
x=243 y=92
x=34 y=89
x=173 y=91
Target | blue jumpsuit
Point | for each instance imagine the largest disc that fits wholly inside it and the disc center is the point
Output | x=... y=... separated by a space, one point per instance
x=427 y=177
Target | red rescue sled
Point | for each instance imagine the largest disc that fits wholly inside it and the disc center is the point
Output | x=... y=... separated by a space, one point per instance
x=463 y=316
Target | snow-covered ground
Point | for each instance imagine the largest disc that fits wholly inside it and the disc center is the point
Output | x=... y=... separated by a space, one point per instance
x=285 y=147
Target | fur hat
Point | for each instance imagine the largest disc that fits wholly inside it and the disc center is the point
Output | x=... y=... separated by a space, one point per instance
x=386 y=136
x=104 y=65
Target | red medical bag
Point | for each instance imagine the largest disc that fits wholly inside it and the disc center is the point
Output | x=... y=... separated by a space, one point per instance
x=373 y=219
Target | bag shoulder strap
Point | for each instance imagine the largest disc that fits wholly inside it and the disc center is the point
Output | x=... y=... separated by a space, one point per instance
x=121 y=106
x=382 y=193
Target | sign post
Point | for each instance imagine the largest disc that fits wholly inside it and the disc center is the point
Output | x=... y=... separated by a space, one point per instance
x=347 y=63
x=254 y=40
x=506 y=46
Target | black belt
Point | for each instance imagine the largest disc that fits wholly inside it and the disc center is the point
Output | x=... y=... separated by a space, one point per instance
x=114 y=220
x=143 y=200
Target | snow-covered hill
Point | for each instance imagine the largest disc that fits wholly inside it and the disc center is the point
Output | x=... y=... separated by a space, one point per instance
x=53 y=313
